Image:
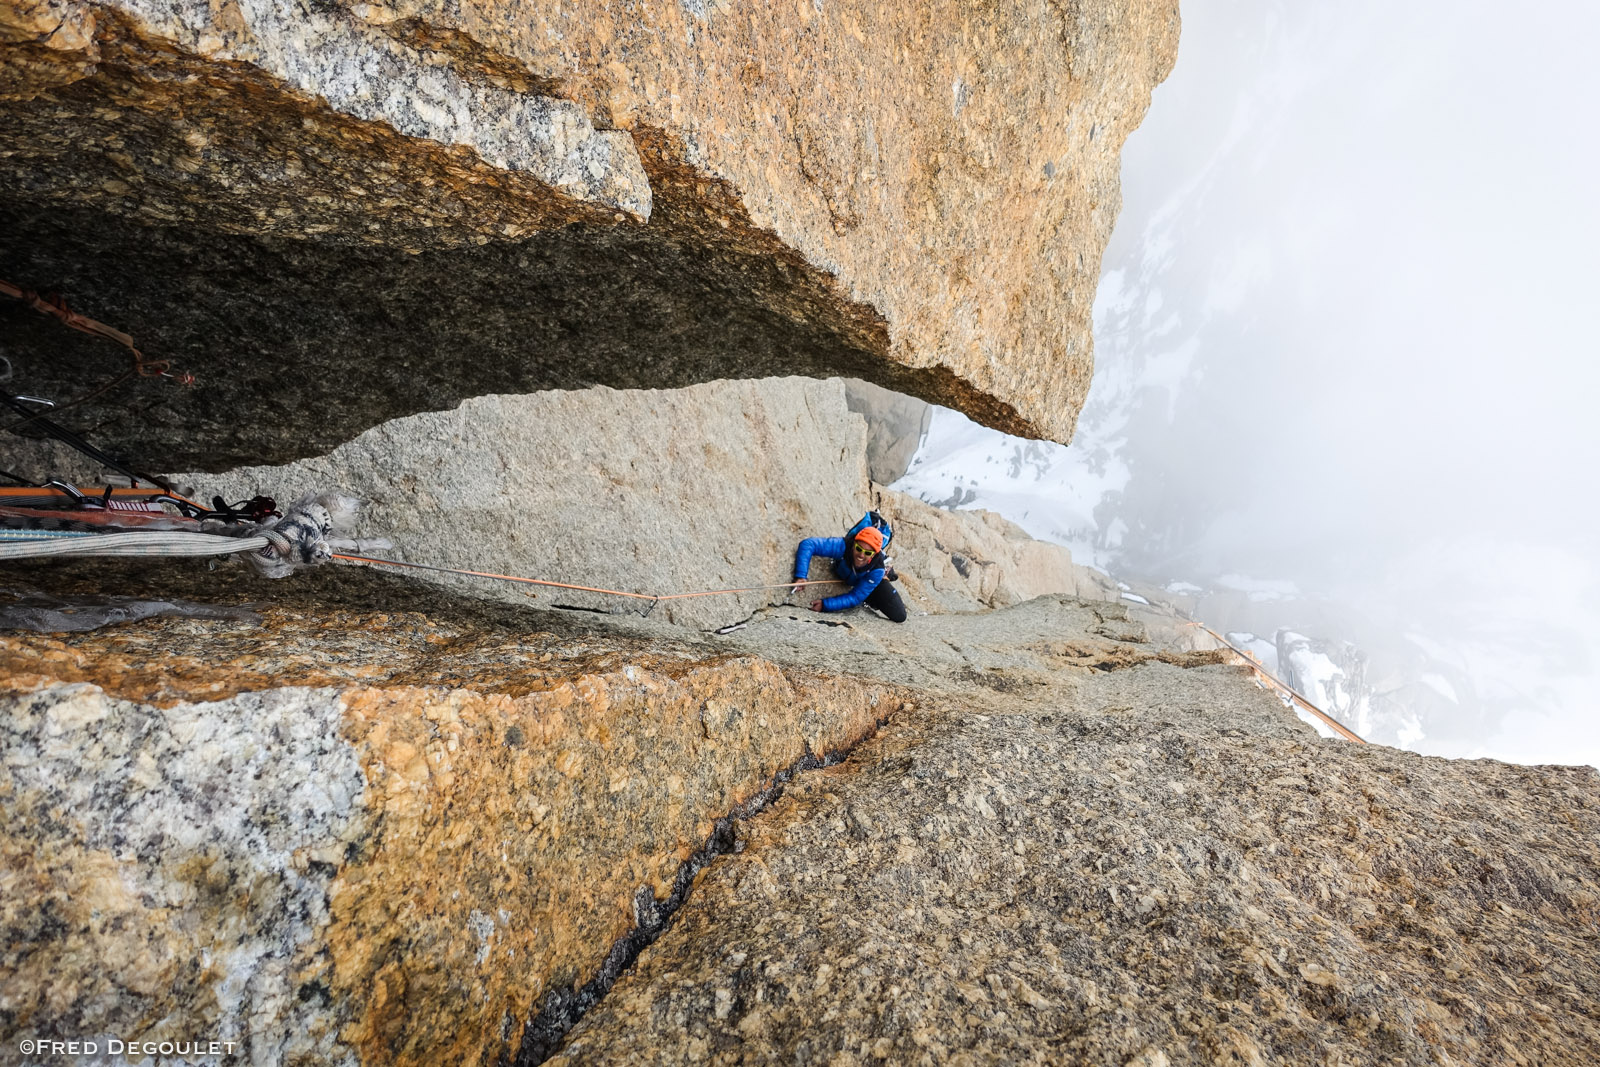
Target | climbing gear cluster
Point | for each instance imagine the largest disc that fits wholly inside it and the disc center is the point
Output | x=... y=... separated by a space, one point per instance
x=139 y=514
x=59 y=519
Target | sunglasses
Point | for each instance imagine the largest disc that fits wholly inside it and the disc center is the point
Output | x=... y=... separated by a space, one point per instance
x=863 y=550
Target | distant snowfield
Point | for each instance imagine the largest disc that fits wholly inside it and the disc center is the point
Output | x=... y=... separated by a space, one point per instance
x=1259 y=589
x=1048 y=490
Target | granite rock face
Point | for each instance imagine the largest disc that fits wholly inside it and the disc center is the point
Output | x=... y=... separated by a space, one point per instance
x=409 y=832
x=362 y=839
x=660 y=492
x=390 y=824
x=446 y=200
x=649 y=491
x=1136 y=862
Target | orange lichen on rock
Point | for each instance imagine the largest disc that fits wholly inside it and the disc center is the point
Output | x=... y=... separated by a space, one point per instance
x=163 y=664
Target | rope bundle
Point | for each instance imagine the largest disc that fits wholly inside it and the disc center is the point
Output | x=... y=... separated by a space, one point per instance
x=133 y=543
x=302 y=538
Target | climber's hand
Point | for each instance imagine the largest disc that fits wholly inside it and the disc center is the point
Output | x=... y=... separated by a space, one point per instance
x=816 y=605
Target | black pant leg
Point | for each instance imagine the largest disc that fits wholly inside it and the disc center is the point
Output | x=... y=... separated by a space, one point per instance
x=888 y=601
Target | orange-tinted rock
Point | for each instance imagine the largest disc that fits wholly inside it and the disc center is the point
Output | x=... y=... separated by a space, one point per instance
x=1081 y=844
x=651 y=196
x=956 y=167
x=360 y=857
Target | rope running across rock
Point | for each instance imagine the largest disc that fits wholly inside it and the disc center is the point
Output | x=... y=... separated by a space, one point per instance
x=284 y=548
x=1283 y=687
x=654 y=598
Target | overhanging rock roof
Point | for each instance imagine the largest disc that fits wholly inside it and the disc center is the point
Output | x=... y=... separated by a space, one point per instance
x=336 y=214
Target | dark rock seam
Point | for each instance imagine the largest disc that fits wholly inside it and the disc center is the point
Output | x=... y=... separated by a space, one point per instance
x=561 y=1009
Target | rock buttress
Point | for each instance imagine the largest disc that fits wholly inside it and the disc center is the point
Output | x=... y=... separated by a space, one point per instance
x=1142 y=864
x=438 y=201
x=387 y=853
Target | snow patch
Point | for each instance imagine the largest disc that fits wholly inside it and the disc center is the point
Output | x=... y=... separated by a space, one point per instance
x=1264 y=651
x=1441 y=685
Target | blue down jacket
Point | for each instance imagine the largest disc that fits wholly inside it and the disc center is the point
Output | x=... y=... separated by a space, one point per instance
x=863 y=582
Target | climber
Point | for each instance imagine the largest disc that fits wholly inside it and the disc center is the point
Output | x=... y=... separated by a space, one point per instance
x=860 y=563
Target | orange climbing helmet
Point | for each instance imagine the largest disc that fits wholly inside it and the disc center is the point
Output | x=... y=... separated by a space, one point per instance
x=870 y=536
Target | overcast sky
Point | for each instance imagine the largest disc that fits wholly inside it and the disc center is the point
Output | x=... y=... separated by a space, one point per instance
x=1344 y=346
x=1357 y=252
x=1398 y=244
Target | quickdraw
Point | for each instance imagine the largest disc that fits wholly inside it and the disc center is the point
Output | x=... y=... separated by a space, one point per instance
x=56 y=307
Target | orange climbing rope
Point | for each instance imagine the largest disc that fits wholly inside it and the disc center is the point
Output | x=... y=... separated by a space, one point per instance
x=57 y=307
x=140 y=367
x=1261 y=672
x=653 y=598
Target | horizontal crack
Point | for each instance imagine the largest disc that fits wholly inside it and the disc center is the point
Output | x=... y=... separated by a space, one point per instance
x=561 y=1009
x=1206 y=657
x=748 y=619
x=1121 y=657
x=592 y=611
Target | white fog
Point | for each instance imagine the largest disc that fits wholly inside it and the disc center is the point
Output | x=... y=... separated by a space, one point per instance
x=1344 y=365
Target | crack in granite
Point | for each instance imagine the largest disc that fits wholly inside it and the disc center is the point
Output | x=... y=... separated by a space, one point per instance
x=562 y=1009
